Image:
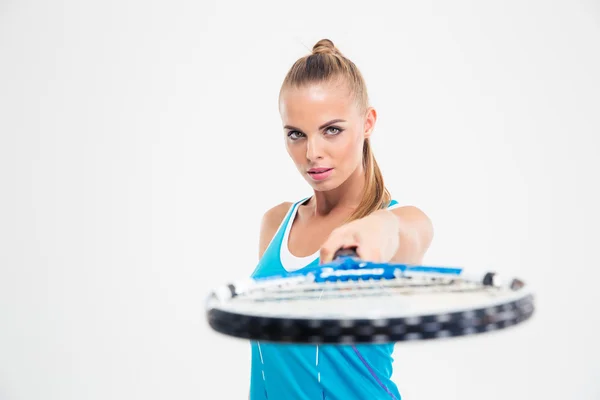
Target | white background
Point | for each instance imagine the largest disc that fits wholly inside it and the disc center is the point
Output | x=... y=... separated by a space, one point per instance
x=140 y=144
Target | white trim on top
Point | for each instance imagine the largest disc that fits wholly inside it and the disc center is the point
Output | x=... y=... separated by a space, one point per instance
x=290 y=262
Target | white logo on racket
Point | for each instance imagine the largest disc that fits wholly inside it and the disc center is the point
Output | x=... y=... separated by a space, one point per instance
x=327 y=272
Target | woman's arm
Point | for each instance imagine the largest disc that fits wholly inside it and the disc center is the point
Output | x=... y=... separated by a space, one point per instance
x=400 y=235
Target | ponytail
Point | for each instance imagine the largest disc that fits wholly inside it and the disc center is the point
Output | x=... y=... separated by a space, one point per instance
x=375 y=194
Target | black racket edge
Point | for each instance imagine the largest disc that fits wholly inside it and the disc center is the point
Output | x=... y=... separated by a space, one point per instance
x=333 y=331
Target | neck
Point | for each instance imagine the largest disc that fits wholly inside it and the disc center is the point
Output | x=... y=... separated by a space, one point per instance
x=345 y=198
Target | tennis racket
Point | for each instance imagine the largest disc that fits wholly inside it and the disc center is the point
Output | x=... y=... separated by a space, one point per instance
x=349 y=301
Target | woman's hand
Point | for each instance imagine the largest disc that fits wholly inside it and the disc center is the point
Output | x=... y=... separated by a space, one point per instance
x=401 y=235
x=375 y=237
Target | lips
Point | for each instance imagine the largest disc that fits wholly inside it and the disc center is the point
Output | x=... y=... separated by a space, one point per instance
x=319 y=174
x=318 y=170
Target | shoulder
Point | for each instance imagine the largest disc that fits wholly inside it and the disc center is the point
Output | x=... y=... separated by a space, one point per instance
x=407 y=210
x=274 y=215
x=413 y=214
x=270 y=222
x=417 y=225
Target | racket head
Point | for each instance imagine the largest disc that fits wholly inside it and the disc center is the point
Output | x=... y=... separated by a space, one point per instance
x=350 y=301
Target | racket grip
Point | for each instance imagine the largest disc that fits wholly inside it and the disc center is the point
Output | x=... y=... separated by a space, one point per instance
x=345 y=252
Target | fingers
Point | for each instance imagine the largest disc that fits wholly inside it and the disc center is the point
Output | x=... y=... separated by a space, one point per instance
x=338 y=239
x=343 y=239
x=371 y=253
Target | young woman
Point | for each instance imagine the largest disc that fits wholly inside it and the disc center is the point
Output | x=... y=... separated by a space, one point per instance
x=327 y=122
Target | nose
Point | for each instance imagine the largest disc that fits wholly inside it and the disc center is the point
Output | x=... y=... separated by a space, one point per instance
x=314 y=148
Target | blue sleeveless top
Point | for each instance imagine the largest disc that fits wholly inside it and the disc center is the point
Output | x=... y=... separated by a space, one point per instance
x=311 y=372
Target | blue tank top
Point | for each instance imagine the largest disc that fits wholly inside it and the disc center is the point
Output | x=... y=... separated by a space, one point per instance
x=311 y=372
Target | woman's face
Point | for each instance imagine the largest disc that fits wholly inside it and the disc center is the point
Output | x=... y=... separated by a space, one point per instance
x=324 y=132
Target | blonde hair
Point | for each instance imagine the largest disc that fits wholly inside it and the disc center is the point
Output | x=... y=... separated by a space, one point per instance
x=326 y=64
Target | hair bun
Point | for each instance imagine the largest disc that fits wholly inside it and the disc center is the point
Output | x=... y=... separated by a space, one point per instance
x=325 y=46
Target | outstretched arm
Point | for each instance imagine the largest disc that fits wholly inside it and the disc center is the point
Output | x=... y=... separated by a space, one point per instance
x=400 y=235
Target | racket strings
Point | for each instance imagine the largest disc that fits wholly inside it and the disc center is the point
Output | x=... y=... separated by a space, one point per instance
x=363 y=288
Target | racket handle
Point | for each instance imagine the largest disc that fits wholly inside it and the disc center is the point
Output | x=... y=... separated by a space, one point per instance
x=345 y=252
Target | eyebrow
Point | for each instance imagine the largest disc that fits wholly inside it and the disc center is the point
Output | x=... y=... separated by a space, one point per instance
x=333 y=121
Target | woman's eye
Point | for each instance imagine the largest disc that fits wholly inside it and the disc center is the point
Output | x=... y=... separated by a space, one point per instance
x=333 y=130
x=294 y=135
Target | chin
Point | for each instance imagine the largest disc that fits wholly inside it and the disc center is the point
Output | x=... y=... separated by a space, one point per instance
x=323 y=186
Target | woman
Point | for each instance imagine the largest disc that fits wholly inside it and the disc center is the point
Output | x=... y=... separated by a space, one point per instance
x=327 y=122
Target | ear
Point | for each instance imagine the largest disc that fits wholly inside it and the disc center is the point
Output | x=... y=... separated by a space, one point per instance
x=370 y=119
